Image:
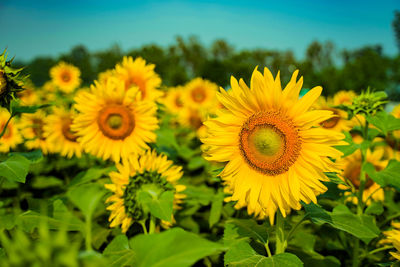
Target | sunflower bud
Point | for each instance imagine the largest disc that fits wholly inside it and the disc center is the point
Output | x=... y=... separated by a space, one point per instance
x=368 y=103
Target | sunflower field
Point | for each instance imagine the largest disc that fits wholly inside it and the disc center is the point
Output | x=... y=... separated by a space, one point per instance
x=129 y=171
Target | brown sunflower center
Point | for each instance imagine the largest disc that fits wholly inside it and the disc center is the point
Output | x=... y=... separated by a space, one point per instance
x=37 y=128
x=116 y=121
x=66 y=76
x=137 y=81
x=332 y=122
x=178 y=101
x=353 y=174
x=66 y=130
x=198 y=94
x=269 y=142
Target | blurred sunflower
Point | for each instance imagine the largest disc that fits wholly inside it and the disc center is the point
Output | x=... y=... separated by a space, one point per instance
x=29 y=96
x=112 y=122
x=105 y=75
x=352 y=170
x=393 y=237
x=173 y=100
x=66 y=77
x=59 y=135
x=339 y=122
x=138 y=73
x=344 y=97
x=276 y=152
x=396 y=113
x=12 y=137
x=147 y=172
x=200 y=93
x=32 y=126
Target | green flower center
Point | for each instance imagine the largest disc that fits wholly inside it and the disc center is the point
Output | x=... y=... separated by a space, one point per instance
x=136 y=183
x=115 y=121
x=266 y=141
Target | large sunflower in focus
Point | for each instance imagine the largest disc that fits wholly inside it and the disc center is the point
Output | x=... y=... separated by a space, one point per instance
x=66 y=77
x=12 y=136
x=147 y=172
x=112 y=122
x=200 y=93
x=32 y=126
x=59 y=135
x=136 y=73
x=276 y=153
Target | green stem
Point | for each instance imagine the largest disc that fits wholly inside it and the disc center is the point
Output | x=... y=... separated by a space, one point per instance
x=5 y=126
x=379 y=250
x=281 y=242
x=294 y=228
x=267 y=249
x=152 y=226
x=88 y=239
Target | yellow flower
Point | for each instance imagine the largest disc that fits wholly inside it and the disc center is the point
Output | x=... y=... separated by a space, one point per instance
x=191 y=118
x=32 y=126
x=112 y=122
x=66 y=77
x=396 y=114
x=200 y=93
x=12 y=137
x=148 y=170
x=136 y=73
x=59 y=135
x=29 y=96
x=173 y=100
x=344 y=97
x=105 y=75
x=337 y=123
x=351 y=172
x=276 y=152
x=393 y=237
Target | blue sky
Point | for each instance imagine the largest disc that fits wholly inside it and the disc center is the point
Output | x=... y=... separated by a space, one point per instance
x=39 y=28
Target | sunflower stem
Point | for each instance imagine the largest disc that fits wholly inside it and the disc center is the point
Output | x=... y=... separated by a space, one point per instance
x=152 y=226
x=88 y=239
x=281 y=242
x=267 y=248
x=5 y=126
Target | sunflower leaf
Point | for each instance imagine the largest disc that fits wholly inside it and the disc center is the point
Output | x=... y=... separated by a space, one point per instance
x=248 y=228
x=172 y=248
x=15 y=168
x=384 y=122
x=388 y=176
x=159 y=205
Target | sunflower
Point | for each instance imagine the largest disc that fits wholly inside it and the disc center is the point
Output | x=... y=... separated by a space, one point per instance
x=173 y=100
x=339 y=122
x=200 y=93
x=105 y=75
x=276 y=153
x=112 y=122
x=139 y=74
x=66 y=77
x=344 y=97
x=351 y=172
x=32 y=126
x=59 y=135
x=393 y=237
x=12 y=137
x=147 y=171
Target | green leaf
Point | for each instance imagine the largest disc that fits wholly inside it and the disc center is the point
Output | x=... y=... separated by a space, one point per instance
x=86 y=197
x=160 y=206
x=41 y=182
x=89 y=175
x=350 y=148
x=196 y=163
x=166 y=138
x=375 y=208
x=118 y=252
x=361 y=226
x=388 y=176
x=216 y=208
x=34 y=156
x=242 y=254
x=172 y=248
x=384 y=121
x=15 y=168
x=26 y=109
x=249 y=228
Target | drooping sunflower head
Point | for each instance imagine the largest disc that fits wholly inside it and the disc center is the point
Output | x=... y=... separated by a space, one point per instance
x=136 y=73
x=200 y=93
x=275 y=149
x=61 y=139
x=12 y=136
x=11 y=81
x=112 y=122
x=352 y=170
x=339 y=122
x=148 y=173
x=393 y=237
x=32 y=126
x=66 y=77
x=344 y=97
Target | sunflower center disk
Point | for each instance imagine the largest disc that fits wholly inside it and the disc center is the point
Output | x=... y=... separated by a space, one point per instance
x=332 y=122
x=198 y=95
x=269 y=142
x=116 y=121
x=66 y=130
